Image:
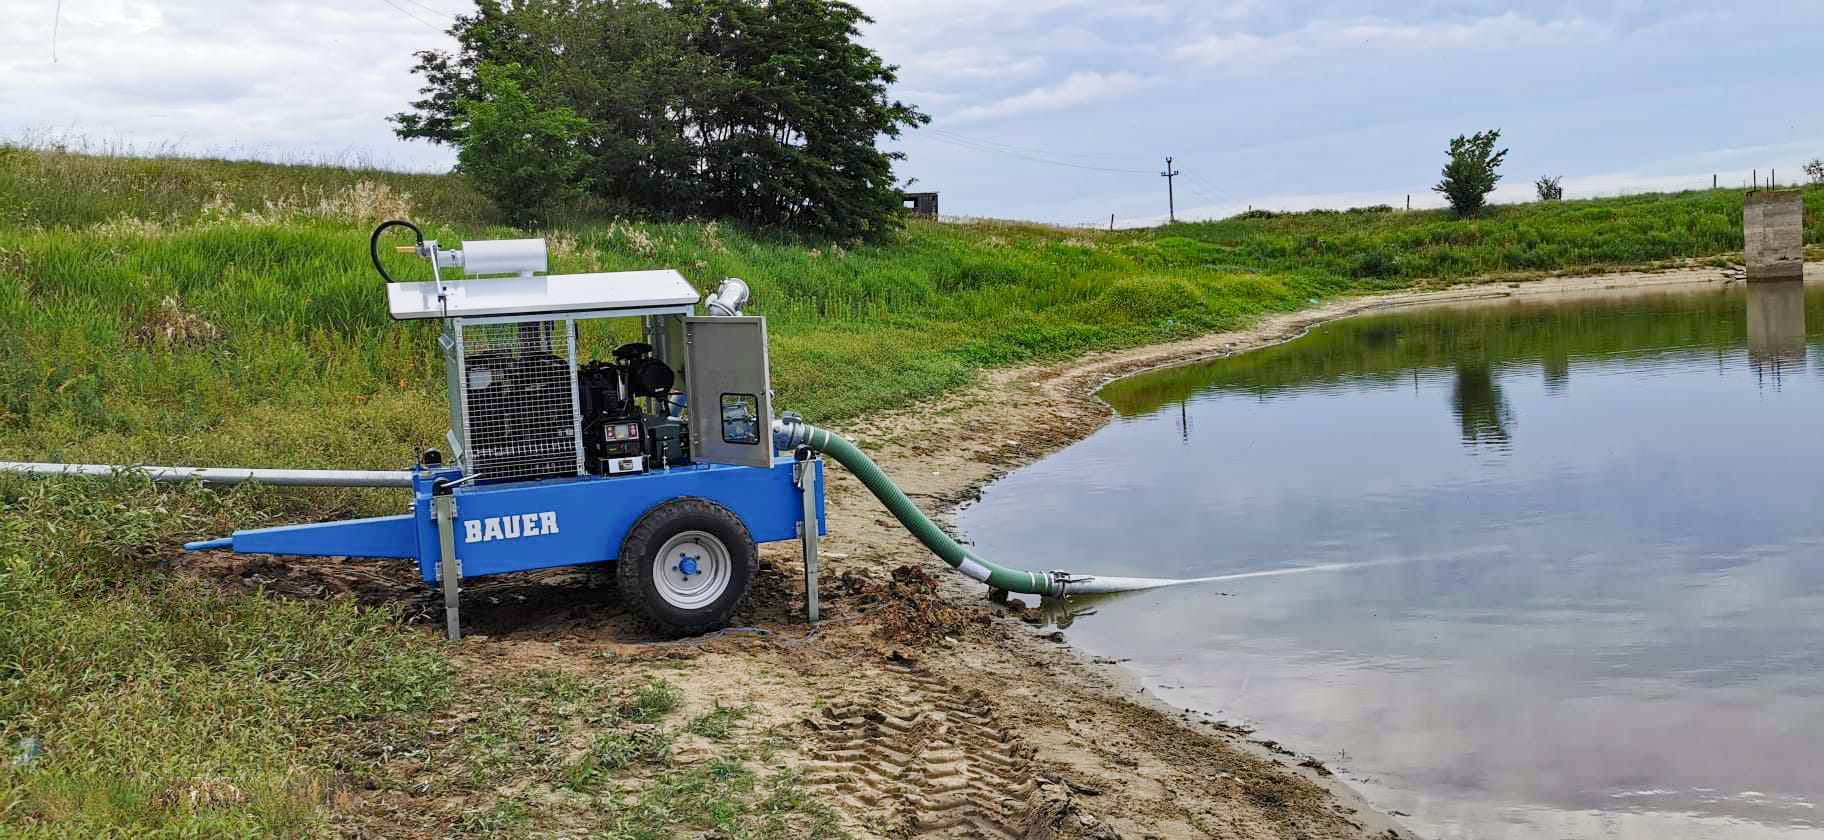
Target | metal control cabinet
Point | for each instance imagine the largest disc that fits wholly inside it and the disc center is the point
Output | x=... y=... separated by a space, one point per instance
x=731 y=389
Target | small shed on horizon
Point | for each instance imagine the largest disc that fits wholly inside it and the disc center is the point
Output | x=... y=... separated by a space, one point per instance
x=921 y=204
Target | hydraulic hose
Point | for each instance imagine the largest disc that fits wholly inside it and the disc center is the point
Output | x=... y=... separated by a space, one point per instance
x=373 y=243
x=791 y=433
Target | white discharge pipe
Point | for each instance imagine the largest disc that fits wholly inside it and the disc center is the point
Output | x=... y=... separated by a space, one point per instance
x=1101 y=584
x=222 y=475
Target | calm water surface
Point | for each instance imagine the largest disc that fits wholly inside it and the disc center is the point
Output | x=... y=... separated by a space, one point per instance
x=1591 y=599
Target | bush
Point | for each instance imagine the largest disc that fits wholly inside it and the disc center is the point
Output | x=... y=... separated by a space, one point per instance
x=1548 y=188
x=1470 y=175
x=524 y=157
x=1815 y=169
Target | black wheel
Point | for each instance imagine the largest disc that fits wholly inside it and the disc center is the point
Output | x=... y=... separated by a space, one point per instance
x=686 y=565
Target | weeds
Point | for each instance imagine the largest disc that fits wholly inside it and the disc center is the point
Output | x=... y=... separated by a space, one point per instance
x=652 y=701
x=717 y=723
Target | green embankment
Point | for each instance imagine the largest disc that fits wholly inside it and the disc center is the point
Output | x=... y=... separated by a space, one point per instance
x=224 y=313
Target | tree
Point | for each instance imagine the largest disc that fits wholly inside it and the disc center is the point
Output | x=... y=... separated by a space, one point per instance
x=1470 y=175
x=1549 y=188
x=524 y=157
x=767 y=111
x=1815 y=169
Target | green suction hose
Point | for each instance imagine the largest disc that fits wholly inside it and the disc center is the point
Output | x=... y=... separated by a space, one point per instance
x=791 y=433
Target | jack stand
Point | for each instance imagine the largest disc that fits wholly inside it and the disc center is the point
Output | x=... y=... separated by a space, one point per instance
x=804 y=474
x=449 y=569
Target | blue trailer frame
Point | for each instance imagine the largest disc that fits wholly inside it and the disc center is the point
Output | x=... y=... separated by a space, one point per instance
x=573 y=521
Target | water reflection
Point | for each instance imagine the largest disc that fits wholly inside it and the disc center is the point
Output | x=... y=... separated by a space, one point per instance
x=1776 y=328
x=1609 y=631
x=1481 y=411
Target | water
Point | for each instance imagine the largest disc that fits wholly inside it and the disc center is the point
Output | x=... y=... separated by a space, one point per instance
x=1587 y=597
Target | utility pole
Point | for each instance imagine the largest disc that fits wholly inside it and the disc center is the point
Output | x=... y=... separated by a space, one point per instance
x=1171 y=203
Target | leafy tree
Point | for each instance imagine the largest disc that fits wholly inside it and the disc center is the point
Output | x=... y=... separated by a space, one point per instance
x=766 y=111
x=1548 y=187
x=525 y=157
x=1470 y=175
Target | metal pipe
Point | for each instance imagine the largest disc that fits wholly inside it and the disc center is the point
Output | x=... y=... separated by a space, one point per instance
x=729 y=298
x=222 y=475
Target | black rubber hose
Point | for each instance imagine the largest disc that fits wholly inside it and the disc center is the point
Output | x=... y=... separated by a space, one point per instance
x=373 y=243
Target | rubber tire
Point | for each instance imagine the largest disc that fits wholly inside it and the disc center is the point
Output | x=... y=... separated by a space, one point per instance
x=648 y=535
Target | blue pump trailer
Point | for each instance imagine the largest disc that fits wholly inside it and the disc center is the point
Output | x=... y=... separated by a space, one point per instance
x=555 y=463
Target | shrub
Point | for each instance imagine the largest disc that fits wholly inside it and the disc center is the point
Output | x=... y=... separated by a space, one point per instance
x=1376 y=263
x=1470 y=175
x=1549 y=188
x=1815 y=169
x=525 y=157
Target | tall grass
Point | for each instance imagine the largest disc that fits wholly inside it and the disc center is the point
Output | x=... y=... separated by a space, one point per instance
x=221 y=312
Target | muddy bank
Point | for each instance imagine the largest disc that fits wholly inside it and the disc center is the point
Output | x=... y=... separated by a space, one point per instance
x=917 y=708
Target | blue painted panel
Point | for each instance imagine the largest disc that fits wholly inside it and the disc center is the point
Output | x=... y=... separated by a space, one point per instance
x=572 y=521
x=385 y=536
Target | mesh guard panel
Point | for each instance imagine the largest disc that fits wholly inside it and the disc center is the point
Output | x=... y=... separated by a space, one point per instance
x=517 y=408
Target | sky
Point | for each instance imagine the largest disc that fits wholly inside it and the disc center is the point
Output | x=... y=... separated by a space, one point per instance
x=1052 y=110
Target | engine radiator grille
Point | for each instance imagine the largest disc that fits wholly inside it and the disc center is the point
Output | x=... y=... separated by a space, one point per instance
x=518 y=386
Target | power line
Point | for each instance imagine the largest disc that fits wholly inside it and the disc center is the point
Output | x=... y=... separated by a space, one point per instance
x=442 y=12
x=404 y=11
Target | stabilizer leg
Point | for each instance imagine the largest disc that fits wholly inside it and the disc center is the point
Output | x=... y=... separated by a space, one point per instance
x=806 y=478
x=449 y=569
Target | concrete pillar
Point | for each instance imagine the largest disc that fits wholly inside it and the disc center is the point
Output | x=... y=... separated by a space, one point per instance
x=1773 y=235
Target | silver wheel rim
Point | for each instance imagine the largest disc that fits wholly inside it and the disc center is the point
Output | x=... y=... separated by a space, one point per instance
x=692 y=570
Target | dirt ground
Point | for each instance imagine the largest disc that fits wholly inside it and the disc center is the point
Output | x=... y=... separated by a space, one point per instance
x=917 y=707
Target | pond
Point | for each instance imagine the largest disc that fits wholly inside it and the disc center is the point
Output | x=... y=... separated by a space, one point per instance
x=1572 y=580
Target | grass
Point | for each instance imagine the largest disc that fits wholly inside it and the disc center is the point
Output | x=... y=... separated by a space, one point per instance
x=212 y=312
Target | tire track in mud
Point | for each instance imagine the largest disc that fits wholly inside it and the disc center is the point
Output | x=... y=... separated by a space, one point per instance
x=931 y=760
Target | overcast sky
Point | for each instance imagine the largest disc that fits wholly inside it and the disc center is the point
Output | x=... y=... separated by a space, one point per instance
x=1281 y=104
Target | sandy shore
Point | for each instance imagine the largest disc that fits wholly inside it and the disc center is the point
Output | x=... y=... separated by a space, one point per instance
x=917 y=707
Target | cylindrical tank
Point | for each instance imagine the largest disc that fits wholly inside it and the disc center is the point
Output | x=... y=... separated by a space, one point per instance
x=504 y=256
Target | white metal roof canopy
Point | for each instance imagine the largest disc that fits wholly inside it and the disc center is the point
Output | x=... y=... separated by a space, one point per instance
x=597 y=292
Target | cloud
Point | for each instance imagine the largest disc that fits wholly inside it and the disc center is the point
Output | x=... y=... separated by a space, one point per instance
x=296 y=81
x=969 y=63
x=1325 y=37
x=1078 y=89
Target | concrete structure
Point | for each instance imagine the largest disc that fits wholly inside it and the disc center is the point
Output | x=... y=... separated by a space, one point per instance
x=1773 y=235
x=922 y=204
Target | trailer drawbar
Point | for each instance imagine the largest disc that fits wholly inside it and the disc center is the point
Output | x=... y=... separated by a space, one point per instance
x=663 y=459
